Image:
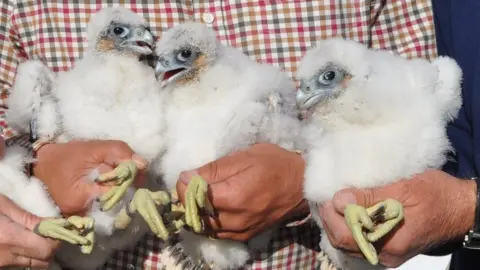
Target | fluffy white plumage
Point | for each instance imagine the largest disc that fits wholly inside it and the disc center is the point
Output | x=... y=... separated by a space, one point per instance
x=383 y=118
x=222 y=102
x=109 y=94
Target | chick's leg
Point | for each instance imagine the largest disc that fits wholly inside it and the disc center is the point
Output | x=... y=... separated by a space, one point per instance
x=145 y=202
x=124 y=175
x=196 y=198
x=379 y=220
x=74 y=230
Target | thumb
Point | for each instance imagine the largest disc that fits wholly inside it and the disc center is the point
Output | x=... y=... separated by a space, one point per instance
x=115 y=152
x=17 y=214
x=364 y=197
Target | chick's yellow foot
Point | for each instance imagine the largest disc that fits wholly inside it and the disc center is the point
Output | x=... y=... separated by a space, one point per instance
x=145 y=202
x=123 y=176
x=378 y=220
x=74 y=230
x=196 y=198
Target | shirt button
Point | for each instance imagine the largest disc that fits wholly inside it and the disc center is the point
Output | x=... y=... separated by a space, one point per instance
x=208 y=18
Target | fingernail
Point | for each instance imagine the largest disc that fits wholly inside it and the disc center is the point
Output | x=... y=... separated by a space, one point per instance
x=141 y=162
x=324 y=214
x=186 y=176
x=341 y=199
x=324 y=206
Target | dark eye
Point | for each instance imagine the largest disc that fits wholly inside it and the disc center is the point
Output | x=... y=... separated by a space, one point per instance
x=330 y=76
x=120 y=31
x=184 y=55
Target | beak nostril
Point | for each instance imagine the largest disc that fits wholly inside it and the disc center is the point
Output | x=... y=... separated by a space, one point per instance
x=307 y=89
x=166 y=63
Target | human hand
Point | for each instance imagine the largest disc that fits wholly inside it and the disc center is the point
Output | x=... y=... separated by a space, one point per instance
x=19 y=245
x=251 y=190
x=66 y=170
x=438 y=209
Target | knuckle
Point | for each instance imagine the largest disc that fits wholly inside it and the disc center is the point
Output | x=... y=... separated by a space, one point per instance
x=123 y=146
x=210 y=171
x=48 y=253
x=369 y=197
x=183 y=175
x=398 y=251
x=240 y=237
x=29 y=220
x=242 y=223
x=338 y=240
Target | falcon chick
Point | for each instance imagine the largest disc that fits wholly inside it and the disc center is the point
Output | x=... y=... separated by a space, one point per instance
x=378 y=116
x=109 y=94
x=218 y=101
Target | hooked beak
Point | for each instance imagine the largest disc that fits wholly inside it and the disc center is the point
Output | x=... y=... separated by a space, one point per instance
x=167 y=70
x=306 y=98
x=142 y=41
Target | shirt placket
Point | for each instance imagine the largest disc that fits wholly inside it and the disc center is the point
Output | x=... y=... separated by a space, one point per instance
x=212 y=13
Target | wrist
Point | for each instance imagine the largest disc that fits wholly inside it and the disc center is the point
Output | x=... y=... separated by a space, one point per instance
x=467 y=207
x=41 y=151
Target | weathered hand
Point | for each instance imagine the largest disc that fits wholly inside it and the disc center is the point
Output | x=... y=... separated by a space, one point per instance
x=438 y=208
x=238 y=185
x=19 y=245
x=66 y=170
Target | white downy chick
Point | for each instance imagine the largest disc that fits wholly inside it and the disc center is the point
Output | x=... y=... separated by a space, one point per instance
x=218 y=101
x=372 y=118
x=109 y=94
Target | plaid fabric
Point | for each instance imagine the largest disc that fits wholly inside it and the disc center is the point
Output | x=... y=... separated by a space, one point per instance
x=276 y=32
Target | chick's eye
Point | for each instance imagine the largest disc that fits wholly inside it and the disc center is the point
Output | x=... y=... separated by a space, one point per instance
x=184 y=55
x=120 y=31
x=329 y=77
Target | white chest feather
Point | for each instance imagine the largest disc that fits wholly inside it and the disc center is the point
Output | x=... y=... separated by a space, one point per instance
x=115 y=100
x=202 y=130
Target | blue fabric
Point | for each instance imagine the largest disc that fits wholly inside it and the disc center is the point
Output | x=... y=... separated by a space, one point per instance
x=456 y=23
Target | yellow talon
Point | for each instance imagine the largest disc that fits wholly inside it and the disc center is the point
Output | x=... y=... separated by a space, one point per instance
x=74 y=230
x=145 y=202
x=123 y=176
x=196 y=197
x=378 y=220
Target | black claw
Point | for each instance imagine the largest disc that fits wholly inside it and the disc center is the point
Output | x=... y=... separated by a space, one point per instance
x=35 y=229
x=378 y=216
x=86 y=244
x=168 y=207
x=129 y=212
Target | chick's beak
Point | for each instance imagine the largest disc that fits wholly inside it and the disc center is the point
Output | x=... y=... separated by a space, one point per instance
x=168 y=70
x=307 y=98
x=301 y=97
x=142 y=40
